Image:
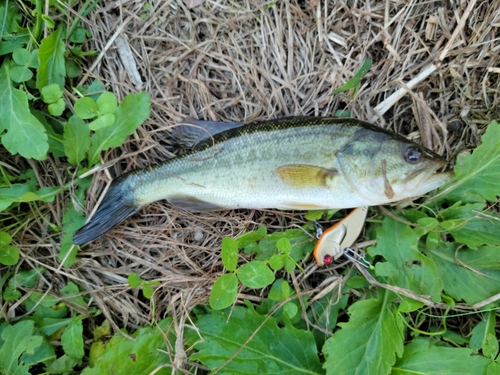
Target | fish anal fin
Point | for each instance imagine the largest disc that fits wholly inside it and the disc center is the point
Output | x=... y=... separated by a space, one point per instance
x=190 y=203
x=305 y=176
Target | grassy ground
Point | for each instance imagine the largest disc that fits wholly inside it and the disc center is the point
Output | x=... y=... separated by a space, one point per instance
x=434 y=79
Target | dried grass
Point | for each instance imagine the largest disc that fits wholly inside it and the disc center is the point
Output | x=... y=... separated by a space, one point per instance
x=253 y=60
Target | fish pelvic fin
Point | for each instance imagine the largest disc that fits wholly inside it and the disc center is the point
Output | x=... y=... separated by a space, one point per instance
x=305 y=176
x=116 y=207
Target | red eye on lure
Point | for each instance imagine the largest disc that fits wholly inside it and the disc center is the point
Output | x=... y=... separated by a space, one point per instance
x=340 y=236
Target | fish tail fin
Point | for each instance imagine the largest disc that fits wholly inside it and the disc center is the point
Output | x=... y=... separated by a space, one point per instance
x=116 y=207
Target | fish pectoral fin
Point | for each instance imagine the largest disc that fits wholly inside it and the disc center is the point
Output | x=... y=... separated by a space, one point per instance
x=304 y=176
x=190 y=203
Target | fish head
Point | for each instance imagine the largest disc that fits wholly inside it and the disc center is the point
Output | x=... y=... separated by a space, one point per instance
x=386 y=168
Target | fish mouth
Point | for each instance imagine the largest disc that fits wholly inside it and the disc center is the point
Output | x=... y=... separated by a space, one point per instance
x=427 y=179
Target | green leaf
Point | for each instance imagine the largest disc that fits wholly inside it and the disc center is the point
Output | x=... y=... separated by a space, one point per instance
x=476 y=175
x=44 y=353
x=72 y=339
x=255 y=274
x=420 y=357
x=224 y=291
x=25 y=134
x=21 y=56
x=62 y=365
x=409 y=305
x=134 y=280
x=51 y=93
x=229 y=254
x=76 y=140
x=51 y=55
x=290 y=310
x=369 y=342
x=86 y=108
x=9 y=255
x=284 y=245
x=280 y=290
x=356 y=79
x=57 y=108
x=484 y=336
x=72 y=220
x=20 y=74
x=151 y=348
x=272 y=350
x=477 y=275
x=18 y=339
x=129 y=115
x=79 y=35
x=251 y=237
x=278 y=261
x=102 y=121
x=72 y=293
x=106 y=103
x=406 y=267
x=5 y=239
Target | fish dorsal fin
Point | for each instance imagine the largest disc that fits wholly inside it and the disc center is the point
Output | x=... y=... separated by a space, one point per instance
x=190 y=132
x=304 y=176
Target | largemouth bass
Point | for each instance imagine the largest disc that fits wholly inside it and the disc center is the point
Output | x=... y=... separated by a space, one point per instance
x=289 y=164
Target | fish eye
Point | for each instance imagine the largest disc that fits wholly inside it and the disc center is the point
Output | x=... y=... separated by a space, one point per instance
x=413 y=155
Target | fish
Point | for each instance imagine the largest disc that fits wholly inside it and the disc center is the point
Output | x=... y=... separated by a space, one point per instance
x=298 y=163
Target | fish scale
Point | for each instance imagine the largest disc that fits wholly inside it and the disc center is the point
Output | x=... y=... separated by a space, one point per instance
x=297 y=163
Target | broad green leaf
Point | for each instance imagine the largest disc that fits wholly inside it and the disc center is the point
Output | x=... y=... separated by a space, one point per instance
x=72 y=293
x=406 y=267
x=475 y=277
x=134 y=280
x=20 y=74
x=272 y=350
x=484 y=336
x=106 y=103
x=44 y=353
x=9 y=255
x=284 y=245
x=72 y=339
x=102 y=122
x=278 y=261
x=25 y=134
x=280 y=290
x=86 y=108
x=5 y=239
x=153 y=348
x=21 y=56
x=51 y=93
x=476 y=175
x=356 y=79
x=290 y=309
x=51 y=56
x=129 y=115
x=255 y=274
x=55 y=138
x=229 y=254
x=369 y=342
x=79 y=35
x=224 y=291
x=72 y=220
x=409 y=304
x=76 y=139
x=62 y=365
x=421 y=357
x=57 y=108
x=251 y=237
x=18 y=339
